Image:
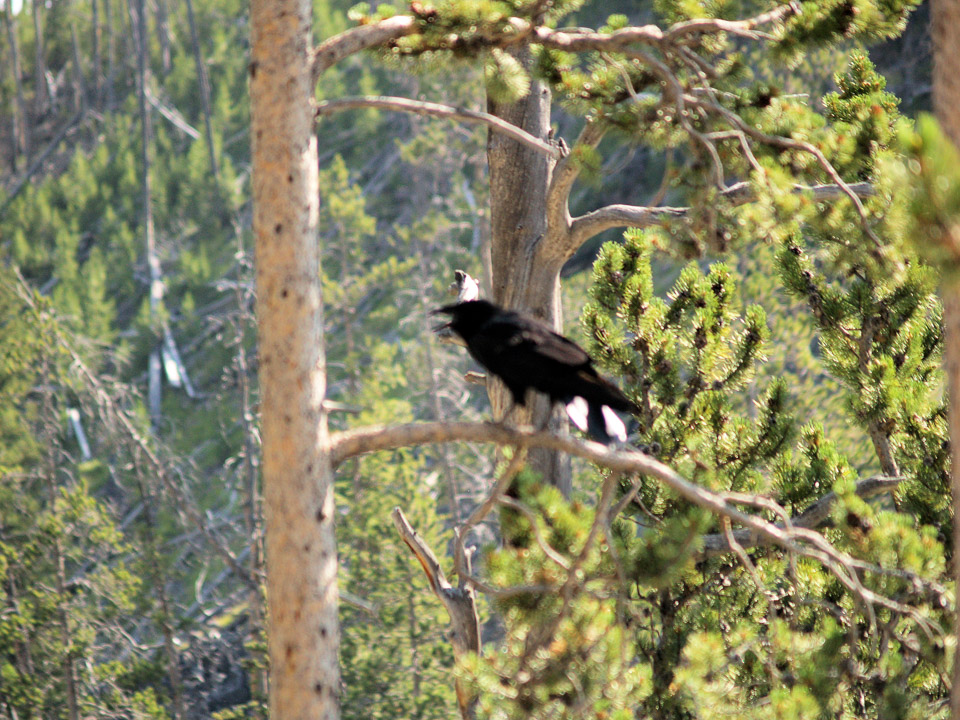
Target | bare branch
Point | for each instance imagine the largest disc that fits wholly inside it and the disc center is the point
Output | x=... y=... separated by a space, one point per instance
x=813 y=517
x=558 y=194
x=744 y=28
x=482 y=510
x=351 y=41
x=421 y=107
x=799 y=540
x=461 y=605
x=586 y=226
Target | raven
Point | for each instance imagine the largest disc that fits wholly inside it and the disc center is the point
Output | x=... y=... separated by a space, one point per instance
x=525 y=353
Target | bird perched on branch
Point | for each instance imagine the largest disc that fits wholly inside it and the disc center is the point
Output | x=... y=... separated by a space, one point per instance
x=525 y=353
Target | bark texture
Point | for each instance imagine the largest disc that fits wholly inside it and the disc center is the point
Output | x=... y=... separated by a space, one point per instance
x=298 y=489
x=523 y=276
x=945 y=31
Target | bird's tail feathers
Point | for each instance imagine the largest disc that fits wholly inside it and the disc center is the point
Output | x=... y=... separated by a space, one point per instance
x=598 y=421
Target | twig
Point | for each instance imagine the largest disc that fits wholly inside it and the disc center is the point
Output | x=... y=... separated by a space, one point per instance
x=484 y=508
x=541 y=541
x=813 y=517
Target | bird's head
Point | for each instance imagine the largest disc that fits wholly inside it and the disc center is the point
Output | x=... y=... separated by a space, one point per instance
x=465 y=317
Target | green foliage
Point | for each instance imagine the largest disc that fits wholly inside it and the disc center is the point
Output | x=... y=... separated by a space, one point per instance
x=930 y=174
x=804 y=361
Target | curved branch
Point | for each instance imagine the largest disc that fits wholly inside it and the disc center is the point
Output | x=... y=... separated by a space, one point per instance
x=561 y=182
x=585 y=226
x=363 y=37
x=335 y=49
x=359 y=441
x=813 y=517
x=745 y=28
x=461 y=605
x=420 y=107
x=798 y=540
x=581 y=40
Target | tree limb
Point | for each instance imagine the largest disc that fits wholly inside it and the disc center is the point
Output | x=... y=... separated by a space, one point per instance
x=813 y=517
x=801 y=541
x=461 y=605
x=351 y=41
x=561 y=182
x=421 y=107
x=584 y=227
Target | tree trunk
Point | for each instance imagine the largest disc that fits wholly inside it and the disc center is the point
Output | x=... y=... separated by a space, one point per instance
x=163 y=33
x=21 y=142
x=945 y=30
x=298 y=479
x=204 y=84
x=49 y=418
x=95 y=41
x=150 y=239
x=521 y=279
x=40 y=95
x=111 y=52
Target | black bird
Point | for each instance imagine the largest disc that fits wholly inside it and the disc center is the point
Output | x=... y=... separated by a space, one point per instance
x=525 y=353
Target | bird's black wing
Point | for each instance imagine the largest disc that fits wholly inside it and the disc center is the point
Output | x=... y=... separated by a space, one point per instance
x=525 y=334
x=525 y=353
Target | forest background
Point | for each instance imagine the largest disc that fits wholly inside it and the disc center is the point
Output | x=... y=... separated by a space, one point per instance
x=131 y=532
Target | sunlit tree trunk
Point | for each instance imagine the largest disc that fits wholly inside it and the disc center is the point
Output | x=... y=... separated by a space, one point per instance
x=303 y=631
x=945 y=29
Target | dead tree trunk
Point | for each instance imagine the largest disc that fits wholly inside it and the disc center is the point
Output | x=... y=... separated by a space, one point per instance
x=95 y=41
x=298 y=480
x=163 y=33
x=945 y=29
x=519 y=183
x=21 y=137
x=150 y=240
x=204 y=84
x=40 y=94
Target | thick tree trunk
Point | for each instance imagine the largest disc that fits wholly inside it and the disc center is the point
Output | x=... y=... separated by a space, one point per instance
x=298 y=479
x=519 y=180
x=945 y=29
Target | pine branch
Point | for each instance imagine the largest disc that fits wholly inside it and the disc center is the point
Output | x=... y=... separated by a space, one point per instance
x=420 y=107
x=620 y=40
x=363 y=37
